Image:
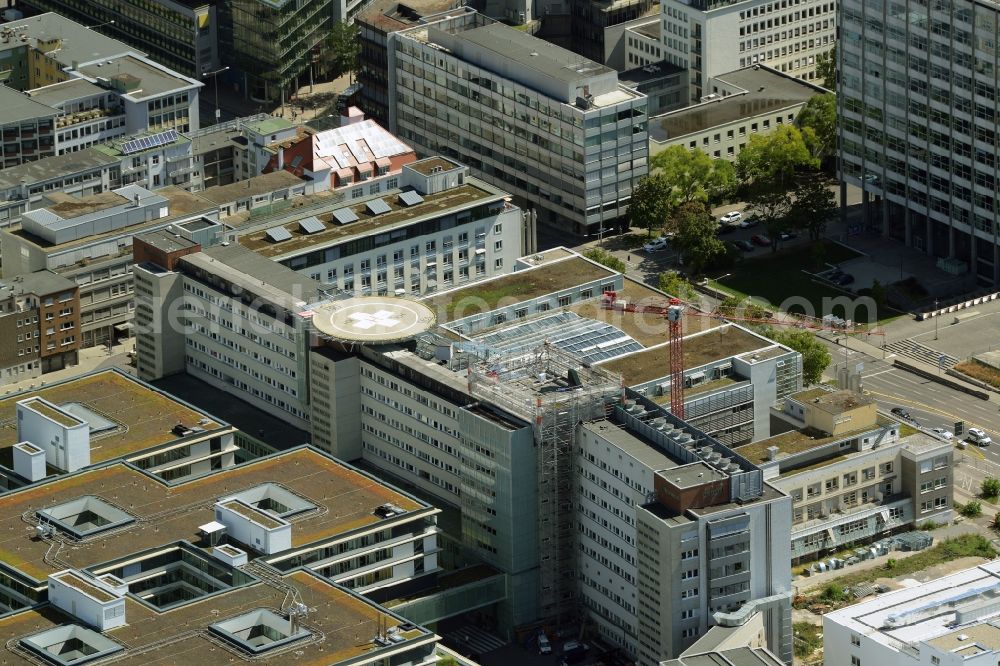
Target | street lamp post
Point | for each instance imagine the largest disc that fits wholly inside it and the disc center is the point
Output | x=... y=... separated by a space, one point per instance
x=215 y=78
x=936 y=319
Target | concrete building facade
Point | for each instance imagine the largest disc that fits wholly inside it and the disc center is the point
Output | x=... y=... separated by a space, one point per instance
x=918 y=131
x=666 y=550
x=557 y=131
x=753 y=100
x=851 y=477
x=711 y=37
x=89 y=241
x=442 y=228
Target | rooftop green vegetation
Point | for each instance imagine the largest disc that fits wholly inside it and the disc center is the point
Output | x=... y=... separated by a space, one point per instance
x=516 y=287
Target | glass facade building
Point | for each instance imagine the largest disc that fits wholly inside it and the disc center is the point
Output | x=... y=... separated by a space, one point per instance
x=918 y=124
x=554 y=129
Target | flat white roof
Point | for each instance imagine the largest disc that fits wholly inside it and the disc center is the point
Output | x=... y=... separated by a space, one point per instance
x=922 y=612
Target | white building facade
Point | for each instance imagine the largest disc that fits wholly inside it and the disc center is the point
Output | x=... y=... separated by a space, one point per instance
x=711 y=37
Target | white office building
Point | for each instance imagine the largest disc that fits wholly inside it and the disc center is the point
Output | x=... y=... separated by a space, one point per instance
x=428 y=228
x=948 y=621
x=711 y=37
x=673 y=542
x=556 y=130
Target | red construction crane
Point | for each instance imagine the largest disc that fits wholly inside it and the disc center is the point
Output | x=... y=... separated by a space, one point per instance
x=675 y=311
x=675 y=325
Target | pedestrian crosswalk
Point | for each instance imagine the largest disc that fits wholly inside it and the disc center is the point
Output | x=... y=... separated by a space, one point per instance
x=921 y=352
x=474 y=639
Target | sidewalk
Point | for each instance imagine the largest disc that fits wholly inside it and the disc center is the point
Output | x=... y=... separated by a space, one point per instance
x=854 y=344
x=307 y=103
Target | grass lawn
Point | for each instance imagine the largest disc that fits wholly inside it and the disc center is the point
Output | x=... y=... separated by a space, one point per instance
x=773 y=279
x=808 y=639
x=980 y=371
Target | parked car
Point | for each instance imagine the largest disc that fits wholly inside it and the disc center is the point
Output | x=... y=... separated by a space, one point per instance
x=731 y=217
x=788 y=235
x=544 y=646
x=749 y=221
x=573 y=652
x=762 y=240
x=944 y=433
x=844 y=279
x=978 y=437
x=655 y=245
x=744 y=245
x=901 y=413
x=727 y=228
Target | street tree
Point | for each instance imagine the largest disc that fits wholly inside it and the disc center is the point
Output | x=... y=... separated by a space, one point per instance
x=826 y=68
x=696 y=235
x=672 y=283
x=812 y=207
x=605 y=259
x=341 y=49
x=815 y=356
x=819 y=115
x=990 y=488
x=650 y=205
x=772 y=207
x=735 y=307
x=771 y=161
x=693 y=175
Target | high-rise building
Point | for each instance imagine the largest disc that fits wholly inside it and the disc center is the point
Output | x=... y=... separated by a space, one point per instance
x=711 y=37
x=918 y=125
x=556 y=130
x=677 y=534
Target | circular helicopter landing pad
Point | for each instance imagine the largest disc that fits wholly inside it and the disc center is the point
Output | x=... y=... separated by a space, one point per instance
x=373 y=319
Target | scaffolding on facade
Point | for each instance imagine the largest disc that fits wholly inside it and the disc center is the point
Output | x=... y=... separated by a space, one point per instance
x=553 y=390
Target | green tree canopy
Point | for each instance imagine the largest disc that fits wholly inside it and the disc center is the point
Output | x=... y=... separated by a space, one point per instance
x=605 y=259
x=693 y=175
x=815 y=355
x=990 y=488
x=650 y=205
x=341 y=49
x=672 y=283
x=696 y=235
x=772 y=207
x=734 y=307
x=819 y=115
x=813 y=205
x=826 y=68
x=770 y=161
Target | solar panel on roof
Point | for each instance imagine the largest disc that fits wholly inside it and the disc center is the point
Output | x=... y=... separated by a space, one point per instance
x=377 y=207
x=344 y=216
x=311 y=225
x=410 y=198
x=278 y=234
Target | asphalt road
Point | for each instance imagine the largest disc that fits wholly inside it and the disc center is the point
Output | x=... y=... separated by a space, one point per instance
x=932 y=405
